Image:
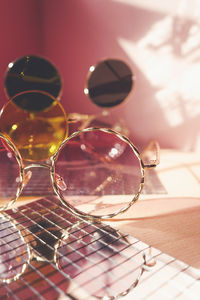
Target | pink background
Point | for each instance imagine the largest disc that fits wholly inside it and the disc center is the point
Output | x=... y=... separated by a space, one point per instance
x=159 y=41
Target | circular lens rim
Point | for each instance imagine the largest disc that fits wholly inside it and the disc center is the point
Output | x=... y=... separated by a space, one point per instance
x=92 y=70
x=27 y=262
x=54 y=100
x=54 y=103
x=59 y=94
x=72 y=208
x=21 y=171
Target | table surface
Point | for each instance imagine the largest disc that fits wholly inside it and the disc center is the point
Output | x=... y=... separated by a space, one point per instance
x=166 y=217
x=170 y=221
x=169 y=218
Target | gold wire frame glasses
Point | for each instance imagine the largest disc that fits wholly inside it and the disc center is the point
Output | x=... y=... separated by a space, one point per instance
x=96 y=172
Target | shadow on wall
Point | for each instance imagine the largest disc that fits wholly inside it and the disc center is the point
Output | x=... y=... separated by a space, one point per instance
x=161 y=45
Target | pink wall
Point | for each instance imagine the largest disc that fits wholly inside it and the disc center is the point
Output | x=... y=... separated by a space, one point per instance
x=20 y=33
x=75 y=34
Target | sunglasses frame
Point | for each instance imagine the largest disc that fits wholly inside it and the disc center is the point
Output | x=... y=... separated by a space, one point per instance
x=93 y=68
x=27 y=59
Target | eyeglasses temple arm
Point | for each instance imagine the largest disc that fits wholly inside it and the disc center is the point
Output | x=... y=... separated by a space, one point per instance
x=85 y=119
x=152 y=148
x=76 y=117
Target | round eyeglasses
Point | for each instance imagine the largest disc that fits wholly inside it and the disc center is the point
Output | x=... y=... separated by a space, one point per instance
x=96 y=172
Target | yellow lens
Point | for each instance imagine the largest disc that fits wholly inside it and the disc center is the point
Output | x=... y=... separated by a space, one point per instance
x=36 y=133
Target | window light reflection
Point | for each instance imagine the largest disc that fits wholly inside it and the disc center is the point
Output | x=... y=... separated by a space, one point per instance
x=14 y=126
x=86 y=91
x=92 y=68
x=10 y=65
x=113 y=152
x=168 y=57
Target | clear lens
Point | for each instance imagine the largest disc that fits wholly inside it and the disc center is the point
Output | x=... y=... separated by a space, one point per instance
x=10 y=176
x=14 y=252
x=102 y=263
x=101 y=172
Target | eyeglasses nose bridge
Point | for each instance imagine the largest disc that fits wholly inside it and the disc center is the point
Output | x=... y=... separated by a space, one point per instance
x=59 y=180
x=28 y=173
